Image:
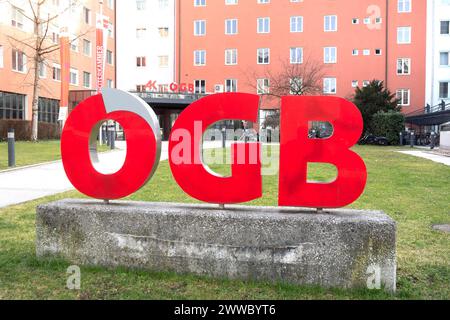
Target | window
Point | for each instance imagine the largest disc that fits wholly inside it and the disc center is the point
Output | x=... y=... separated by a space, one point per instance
x=445 y=27
x=403 y=66
x=263 y=25
x=48 y=110
x=17 y=17
x=378 y=52
x=263 y=1
x=443 y=90
x=296 y=86
x=86 y=79
x=297 y=24
x=163 y=4
x=42 y=70
x=56 y=72
x=230 y=2
x=355 y=21
x=19 y=61
x=330 y=55
x=55 y=37
x=231 y=85
x=74 y=45
x=296 y=55
x=230 y=57
x=444 y=59
x=73 y=77
x=109 y=57
x=141 y=5
x=110 y=4
x=403 y=35
x=329 y=86
x=141 y=88
x=163 y=32
x=366 y=83
x=355 y=83
x=263 y=56
x=403 y=96
x=87 y=15
x=404 y=6
x=141 y=61
x=12 y=106
x=87 y=47
x=263 y=86
x=200 y=86
x=355 y=52
x=330 y=23
x=231 y=26
x=163 y=61
x=110 y=30
x=109 y=83
x=199 y=57
x=199 y=27
x=199 y=3
x=140 y=33
x=366 y=52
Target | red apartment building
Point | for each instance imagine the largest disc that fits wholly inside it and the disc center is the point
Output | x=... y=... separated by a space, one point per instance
x=219 y=43
x=16 y=65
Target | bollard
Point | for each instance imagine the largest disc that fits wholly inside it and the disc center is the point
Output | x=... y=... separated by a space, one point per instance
x=112 y=137
x=108 y=136
x=11 y=149
x=401 y=139
x=411 y=140
x=104 y=135
x=433 y=140
x=224 y=138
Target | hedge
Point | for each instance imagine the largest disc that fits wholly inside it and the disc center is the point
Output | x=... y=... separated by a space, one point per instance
x=22 y=129
x=389 y=125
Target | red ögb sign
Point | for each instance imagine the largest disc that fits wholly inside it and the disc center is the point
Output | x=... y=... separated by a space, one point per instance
x=297 y=150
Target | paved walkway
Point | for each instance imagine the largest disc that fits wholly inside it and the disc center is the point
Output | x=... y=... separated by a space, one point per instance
x=34 y=182
x=429 y=156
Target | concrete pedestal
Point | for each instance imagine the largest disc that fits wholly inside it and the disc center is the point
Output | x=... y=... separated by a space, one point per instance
x=337 y=248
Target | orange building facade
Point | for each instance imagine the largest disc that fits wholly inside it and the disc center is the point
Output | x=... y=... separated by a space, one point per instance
x=16 y=58
x=227 y=45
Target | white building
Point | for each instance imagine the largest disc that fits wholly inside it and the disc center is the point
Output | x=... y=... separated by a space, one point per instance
x=438 y=52
x=145 y=44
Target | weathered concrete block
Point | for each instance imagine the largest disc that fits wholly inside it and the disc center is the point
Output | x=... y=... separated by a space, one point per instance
x=339 y=248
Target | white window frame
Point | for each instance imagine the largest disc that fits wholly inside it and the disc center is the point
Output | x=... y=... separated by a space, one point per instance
x=327 y=53
x=326 y=85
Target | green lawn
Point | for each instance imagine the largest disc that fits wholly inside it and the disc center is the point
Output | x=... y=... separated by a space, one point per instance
x=29 y=153
x=413 y=191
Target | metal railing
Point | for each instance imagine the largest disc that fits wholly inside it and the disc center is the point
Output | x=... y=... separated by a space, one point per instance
x=430 y=109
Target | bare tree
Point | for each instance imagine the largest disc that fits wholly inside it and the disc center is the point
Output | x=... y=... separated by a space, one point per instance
x=38 y=46
x=291 y=79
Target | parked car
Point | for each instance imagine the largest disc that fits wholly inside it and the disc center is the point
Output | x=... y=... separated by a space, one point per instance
x=374 y=140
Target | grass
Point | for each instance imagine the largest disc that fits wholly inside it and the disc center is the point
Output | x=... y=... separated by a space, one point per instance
x=29 y=153
x=413 y=191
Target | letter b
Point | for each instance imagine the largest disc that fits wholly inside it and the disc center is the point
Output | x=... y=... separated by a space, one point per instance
x=297 y=150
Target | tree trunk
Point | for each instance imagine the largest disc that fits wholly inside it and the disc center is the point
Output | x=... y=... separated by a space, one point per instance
x=35 y=104
x=36 y=62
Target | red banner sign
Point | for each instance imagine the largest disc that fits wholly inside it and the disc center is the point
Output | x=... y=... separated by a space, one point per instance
x=102 y=25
